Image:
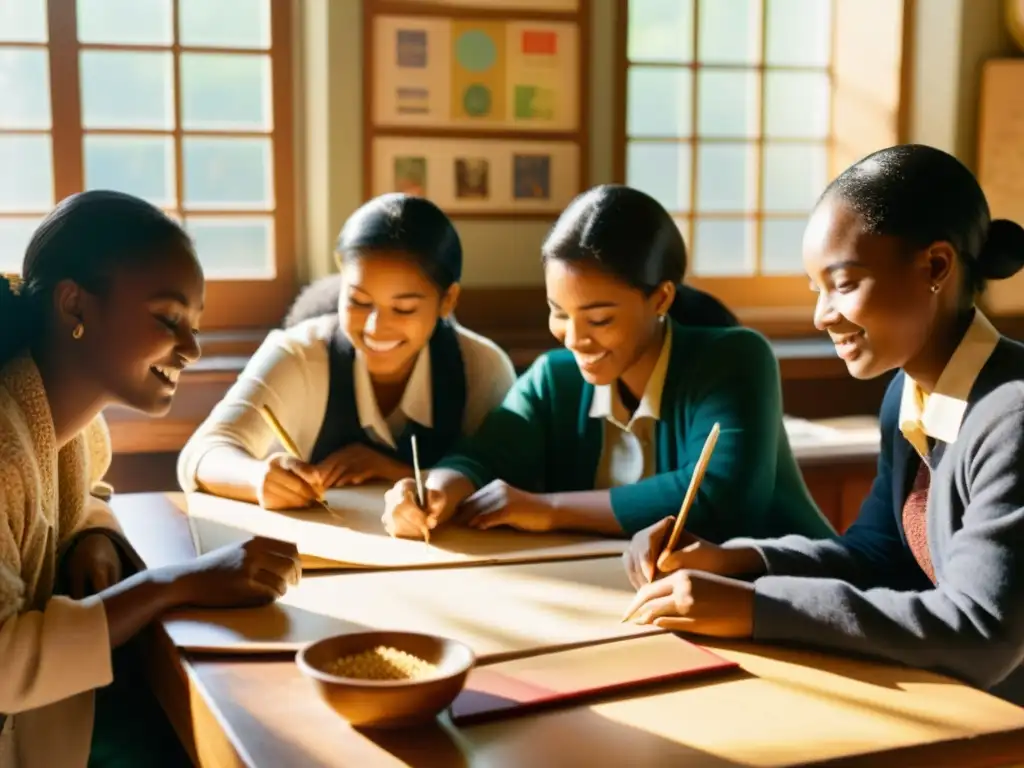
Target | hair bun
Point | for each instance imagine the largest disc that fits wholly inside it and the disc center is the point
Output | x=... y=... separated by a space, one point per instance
x=1002 y=256
x=10 y=289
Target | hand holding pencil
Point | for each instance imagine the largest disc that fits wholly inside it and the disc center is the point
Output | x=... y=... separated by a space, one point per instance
x=287 y=482
x=654 y=550
x=410 y=510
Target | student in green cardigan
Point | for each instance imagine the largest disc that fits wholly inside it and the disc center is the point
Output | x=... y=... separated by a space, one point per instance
x=603 y=436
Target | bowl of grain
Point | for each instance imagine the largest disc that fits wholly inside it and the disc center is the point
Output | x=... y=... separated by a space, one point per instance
x=387 y=679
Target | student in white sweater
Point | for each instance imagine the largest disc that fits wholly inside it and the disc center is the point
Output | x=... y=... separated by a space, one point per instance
x=352 y=388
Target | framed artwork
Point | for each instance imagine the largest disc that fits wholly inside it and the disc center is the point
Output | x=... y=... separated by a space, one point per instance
x=481 y=177
x=477 y=104
x=481 y=74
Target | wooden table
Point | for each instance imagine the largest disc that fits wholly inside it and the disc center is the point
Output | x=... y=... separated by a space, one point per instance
x=783 y=708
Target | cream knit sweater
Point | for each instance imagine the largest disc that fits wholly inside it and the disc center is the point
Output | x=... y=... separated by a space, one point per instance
x=53 y=650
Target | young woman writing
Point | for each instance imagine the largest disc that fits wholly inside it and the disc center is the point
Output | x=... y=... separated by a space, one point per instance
x=105 y=311
x=352 y=388
x=604 y=435
x=932 y=572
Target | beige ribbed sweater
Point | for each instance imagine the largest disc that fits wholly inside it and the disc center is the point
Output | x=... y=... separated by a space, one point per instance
x=54 y=651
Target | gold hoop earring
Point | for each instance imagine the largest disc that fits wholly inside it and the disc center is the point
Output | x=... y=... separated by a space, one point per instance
x=79 y=332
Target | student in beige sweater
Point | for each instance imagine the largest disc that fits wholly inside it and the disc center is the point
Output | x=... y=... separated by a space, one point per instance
x=105 y=312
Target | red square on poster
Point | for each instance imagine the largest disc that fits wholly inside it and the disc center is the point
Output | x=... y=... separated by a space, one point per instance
x=539 y=42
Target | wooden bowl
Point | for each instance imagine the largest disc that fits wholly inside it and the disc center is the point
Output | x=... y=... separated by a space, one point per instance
x=388 y=703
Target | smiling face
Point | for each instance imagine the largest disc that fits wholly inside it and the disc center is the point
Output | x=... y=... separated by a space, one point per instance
x=141 y=333
x=612 y=329
x=874 y=299
x=388 y=309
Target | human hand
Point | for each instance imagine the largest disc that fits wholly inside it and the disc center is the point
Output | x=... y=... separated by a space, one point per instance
x=253 y=573
x=93 y=565
x=499 y=503
x=404 y=518
x=285 y=482
x=356 y=464
x=700 y=603
x=645 y=560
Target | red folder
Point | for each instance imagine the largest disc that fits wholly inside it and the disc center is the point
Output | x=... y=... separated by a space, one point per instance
x=523 y=685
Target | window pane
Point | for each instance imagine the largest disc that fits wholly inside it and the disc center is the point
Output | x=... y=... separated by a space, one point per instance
x=794 y=176
x=662 y=171
x=137 y=22
x=797 y=105
x=728 y=104
x=228 y=173
x=225 y=92
x=723 y=247
x=241 y=248
x=224 y=23
x=726 y=177
x=23 y=21
x=24 y=88
x=661 y=30
x=127 y=90
x=14 y=237
x=660 y=102
x=782 y=241
x=26 y=183
x=799 y=32
x=140 y=166
x=730 y=32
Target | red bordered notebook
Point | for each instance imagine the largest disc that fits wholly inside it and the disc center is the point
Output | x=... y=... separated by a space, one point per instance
x=522 y=685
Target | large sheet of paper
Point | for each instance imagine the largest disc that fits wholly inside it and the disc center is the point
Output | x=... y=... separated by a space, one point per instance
x=499 y=611
x=351 y=535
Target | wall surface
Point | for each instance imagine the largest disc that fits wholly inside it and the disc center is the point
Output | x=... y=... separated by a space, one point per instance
x=950 y=40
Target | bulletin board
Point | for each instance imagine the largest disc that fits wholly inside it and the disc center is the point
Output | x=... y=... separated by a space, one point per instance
x=477 y=104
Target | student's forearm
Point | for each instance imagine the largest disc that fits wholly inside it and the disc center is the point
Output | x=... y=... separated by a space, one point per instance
x=584 y=511
x=230 y=472
x=139 y=600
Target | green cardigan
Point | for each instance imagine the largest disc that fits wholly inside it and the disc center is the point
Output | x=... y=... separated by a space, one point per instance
x=543 y=439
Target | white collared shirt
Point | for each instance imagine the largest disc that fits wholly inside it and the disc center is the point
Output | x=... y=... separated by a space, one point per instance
x=628 y=453
x=417 y=402
x=938 y=414
x=290 y=372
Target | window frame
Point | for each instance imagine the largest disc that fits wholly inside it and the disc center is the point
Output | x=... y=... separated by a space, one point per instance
x=230 y=304
x=778 y=304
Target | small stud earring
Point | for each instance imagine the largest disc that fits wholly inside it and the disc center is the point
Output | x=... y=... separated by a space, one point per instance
x=935 y=287
x=79 y=332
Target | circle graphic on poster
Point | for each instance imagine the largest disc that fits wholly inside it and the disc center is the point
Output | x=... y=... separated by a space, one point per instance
x=475 y=51
x=476 y=100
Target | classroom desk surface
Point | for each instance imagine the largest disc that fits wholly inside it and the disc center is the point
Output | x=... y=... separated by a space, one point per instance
x=784 y=707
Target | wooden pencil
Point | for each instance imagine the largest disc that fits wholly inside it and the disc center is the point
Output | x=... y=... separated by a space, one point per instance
x=421 y=497
x=691 y=491
x=691 y=494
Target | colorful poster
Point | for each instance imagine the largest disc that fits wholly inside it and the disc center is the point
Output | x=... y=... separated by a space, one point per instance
x=411 y=74
x=531 y=177
x=410 y=175
x=543 y=85
x=479 y=176
x=458 y=73
x=478 y=70
x=471 y=178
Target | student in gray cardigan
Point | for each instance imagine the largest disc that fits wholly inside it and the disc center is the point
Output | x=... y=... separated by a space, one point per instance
x=932 y=572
